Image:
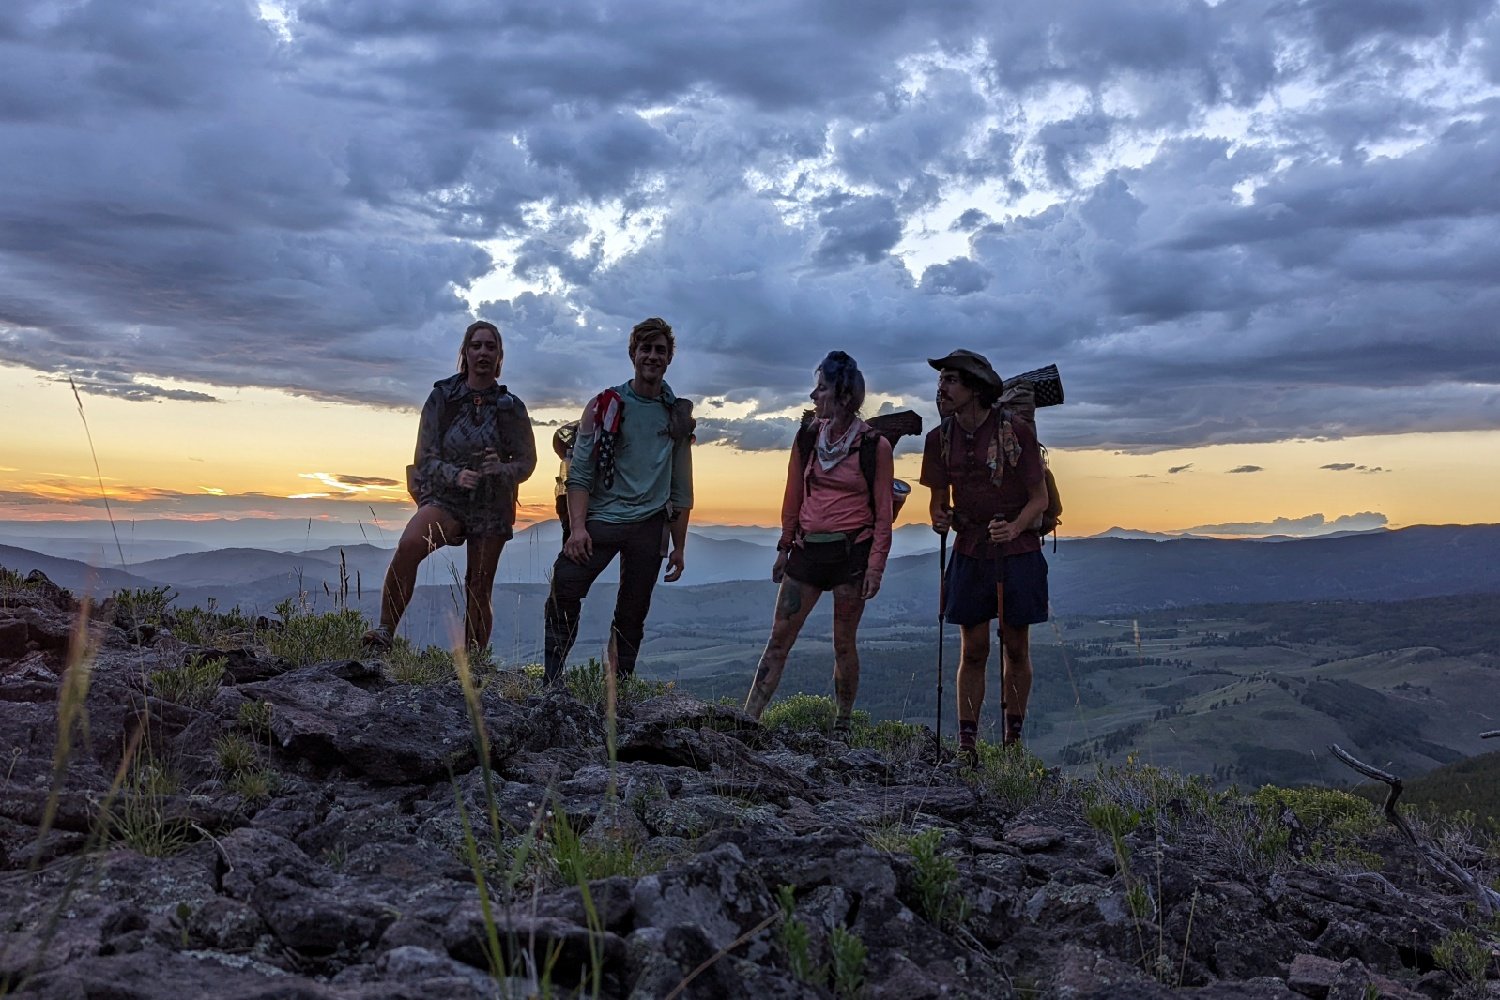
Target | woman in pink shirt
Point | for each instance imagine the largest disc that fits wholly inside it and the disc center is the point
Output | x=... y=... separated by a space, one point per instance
x=835 y=532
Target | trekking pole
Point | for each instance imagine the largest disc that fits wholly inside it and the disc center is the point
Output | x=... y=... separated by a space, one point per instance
x=1000 y=628
x=942 y=616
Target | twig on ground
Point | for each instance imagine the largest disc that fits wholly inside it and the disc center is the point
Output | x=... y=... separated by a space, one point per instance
x=1488 y=899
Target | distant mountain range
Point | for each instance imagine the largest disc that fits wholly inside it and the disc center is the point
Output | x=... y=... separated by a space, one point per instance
x=1088 y=576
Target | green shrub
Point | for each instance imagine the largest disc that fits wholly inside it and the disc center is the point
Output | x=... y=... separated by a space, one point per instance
x=146 y=606
x=1335 y=820
x=1466 y=958
x=305 y=637
x=849 y=955
x=810 y=713
x=938 y=892
x=208 y=627
x=194 y=683
x=796 y=940
x=589 y=684
x=887 y=735
x=1013 y=775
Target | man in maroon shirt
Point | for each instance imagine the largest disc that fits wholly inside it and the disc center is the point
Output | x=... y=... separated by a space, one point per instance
x=985 y=473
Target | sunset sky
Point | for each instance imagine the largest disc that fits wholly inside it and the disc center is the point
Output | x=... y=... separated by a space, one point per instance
x=1260 y=239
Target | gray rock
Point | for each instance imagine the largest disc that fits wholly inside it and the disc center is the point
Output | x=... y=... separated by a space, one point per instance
x=716 y=892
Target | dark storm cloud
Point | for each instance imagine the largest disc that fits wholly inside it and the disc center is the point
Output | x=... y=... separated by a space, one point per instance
x=1225 y=223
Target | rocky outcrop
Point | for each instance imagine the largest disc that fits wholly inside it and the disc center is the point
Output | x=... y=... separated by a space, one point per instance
x=148 y=863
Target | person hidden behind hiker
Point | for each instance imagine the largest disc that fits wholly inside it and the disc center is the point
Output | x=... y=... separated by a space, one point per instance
x=474 y=450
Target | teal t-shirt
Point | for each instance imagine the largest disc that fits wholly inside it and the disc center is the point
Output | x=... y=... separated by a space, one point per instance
x=651 y=470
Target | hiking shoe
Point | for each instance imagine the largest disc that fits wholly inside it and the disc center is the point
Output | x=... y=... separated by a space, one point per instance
x=378 y=640
x=966 y=760
x=841 y=731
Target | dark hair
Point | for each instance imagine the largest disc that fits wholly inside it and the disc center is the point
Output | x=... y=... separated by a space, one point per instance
x=652 y=327
x=979 y=387
x=842 y=375
x=473 y=328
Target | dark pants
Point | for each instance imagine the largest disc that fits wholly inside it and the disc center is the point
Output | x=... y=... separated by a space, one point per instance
x=639 y=548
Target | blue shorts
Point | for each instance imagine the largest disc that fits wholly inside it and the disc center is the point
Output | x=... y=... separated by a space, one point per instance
x=969 y=589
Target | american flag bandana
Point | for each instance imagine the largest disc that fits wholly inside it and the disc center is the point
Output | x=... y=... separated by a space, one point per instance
x=609 y=409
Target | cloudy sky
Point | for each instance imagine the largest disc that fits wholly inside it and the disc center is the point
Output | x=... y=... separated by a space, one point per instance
x=1261 y=238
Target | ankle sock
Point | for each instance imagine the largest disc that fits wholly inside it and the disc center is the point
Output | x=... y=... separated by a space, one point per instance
x=1013 y=724
x=968 y=733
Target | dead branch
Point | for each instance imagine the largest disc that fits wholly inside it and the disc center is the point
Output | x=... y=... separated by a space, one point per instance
x=1487 y=898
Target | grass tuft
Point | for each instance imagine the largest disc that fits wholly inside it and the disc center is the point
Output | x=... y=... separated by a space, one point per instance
x=194 y=683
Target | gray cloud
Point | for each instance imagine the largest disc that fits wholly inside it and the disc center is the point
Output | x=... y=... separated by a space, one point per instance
x=196 y=196
x=1247 y=468
x=1174 y=470
x=1352 y=467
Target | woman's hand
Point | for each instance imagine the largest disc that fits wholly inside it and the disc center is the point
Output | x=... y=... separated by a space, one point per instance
x=468 y=479
x=491 y=465
x=779 y=570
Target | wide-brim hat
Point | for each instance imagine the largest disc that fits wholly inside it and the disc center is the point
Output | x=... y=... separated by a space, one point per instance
x=975 y=364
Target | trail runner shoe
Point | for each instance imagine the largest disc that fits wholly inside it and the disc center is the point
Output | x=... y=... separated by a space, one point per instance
x=378 y=639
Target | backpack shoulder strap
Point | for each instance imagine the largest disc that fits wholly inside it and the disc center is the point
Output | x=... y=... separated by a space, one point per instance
x=869 y=451
x=803 y=446
x=447 y=415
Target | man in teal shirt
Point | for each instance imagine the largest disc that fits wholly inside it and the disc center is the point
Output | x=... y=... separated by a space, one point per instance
x=630 y=487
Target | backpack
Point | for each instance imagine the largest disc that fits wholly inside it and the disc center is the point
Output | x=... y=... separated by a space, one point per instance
x=891 y=426
x=680 y=424
x=1022 y=396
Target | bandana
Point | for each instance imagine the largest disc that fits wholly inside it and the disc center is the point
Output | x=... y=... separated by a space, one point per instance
x=830 y=453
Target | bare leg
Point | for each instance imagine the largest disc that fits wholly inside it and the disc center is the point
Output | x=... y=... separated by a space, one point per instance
x=1015 y=684
x=793 y=603
x=425 y=532
x=974 y=653
x=848 y=608
x=479 y=580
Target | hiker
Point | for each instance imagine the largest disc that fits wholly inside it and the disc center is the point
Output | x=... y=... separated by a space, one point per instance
x=474 y=450
x=835 y=533
x=985 y=473
x=629 y=488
